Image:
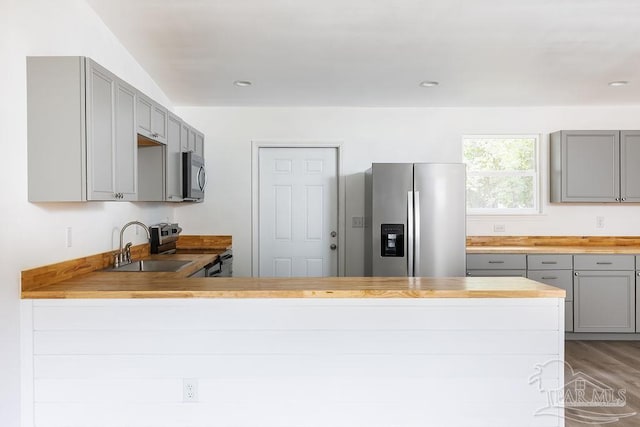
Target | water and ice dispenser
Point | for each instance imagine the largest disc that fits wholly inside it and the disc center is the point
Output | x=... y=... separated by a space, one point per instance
x=392 y=240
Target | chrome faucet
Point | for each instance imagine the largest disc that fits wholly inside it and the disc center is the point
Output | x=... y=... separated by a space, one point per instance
x=124 y=254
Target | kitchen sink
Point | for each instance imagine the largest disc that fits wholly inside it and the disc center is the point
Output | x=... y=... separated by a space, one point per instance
x=152 y=265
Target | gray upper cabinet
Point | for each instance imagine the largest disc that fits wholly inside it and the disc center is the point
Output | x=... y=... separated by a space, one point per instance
x=199 y=146
x=125 y=146
x=152 y=119
x=81 y=132
x=174 y=159
x=585 y=166
x=101 y=93
x=629 y=170
x=594 y=166
x=92 y=136
x=192 y=140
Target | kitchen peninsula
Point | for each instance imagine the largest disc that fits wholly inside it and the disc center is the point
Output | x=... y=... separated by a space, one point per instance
x=162 y=349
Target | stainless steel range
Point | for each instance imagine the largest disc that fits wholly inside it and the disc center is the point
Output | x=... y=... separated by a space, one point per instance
x=164 y=237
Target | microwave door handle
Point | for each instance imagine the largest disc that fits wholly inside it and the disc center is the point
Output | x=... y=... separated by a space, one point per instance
x=202 y=182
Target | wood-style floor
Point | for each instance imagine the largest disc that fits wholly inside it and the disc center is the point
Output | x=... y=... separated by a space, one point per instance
x=614 y=363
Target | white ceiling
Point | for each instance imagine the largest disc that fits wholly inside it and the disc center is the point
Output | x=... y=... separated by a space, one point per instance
x=376 y=52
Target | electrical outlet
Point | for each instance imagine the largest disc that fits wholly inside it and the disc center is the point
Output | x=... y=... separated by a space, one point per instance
x=189 y=390
x=498 y=228
x=599 y=222
x=357 y=222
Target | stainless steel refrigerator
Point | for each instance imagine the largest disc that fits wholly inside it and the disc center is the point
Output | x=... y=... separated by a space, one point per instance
x=415 y=221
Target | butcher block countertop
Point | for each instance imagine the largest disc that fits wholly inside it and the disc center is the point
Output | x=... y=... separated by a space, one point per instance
x=553 y=245
x=178 y=285
x=633 y=250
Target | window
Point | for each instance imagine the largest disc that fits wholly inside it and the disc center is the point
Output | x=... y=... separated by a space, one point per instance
x=502 y=173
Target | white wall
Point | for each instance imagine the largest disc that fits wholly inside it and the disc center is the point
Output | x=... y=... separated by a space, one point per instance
x=392 y=135
x=33 y=234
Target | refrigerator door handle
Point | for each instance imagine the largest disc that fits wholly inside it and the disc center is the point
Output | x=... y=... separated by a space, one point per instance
x=416 y=232
x=410 y=218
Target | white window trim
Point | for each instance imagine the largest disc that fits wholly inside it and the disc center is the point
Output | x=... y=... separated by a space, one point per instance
x=537 y=209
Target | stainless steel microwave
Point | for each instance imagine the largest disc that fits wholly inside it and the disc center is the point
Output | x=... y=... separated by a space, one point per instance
x=194 y=177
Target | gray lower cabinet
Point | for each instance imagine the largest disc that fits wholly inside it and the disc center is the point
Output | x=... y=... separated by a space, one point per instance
x=604 y=289
x=487 y=265
x=555 y=270
x=496 y=273
x=594 y=166
x=81 y=132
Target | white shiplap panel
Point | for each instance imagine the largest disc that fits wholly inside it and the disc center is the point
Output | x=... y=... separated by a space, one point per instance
x=26 y=366
x=268 y=413
x=114 y=342
x=294 y=363
x=249 y=366
x=109 y=390
x=304 y=317
x=227 y=391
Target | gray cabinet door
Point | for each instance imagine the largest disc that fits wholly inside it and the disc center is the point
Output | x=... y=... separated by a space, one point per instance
x=559 y=278
x=591 y=166
x=629 y=162
x=126 y=147
x=152 y=119
x=604 y=301
x=199 y=148
x=144 y=110
x=100 y=105
x=174 y=159
x=159 y=123
x=589 y=170
x=192 y=140
x=184 y=137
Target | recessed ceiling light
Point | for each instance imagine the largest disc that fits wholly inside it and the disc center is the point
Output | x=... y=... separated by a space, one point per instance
x=619 y=83
x=242 y=83
x=429 y=83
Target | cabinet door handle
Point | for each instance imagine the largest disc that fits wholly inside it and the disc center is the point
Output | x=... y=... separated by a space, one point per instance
x=576 y=273
x=617 y=199
x=604 y=263
x=624 y=199
x=549 y=262
x=496 y=262
x=549 y=278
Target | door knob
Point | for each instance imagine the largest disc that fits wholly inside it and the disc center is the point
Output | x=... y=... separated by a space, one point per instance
x=333 y=246
x=334 y=234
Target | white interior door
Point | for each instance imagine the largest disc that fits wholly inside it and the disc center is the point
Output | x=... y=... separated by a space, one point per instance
x=298 y=212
